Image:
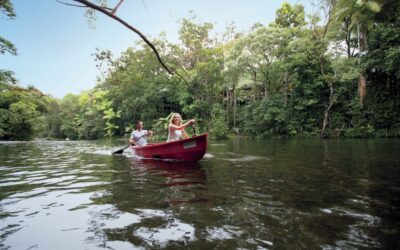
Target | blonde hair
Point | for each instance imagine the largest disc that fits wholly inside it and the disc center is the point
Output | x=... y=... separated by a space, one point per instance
x=171 y=120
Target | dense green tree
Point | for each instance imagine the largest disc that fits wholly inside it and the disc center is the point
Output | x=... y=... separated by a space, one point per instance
x=219 y=128
x=268 y=118
x=22 y=111
x=286 y=79
x=7 y=76
x=290 y=16
x=7 y=9
x=381 y=64
x=361 y=15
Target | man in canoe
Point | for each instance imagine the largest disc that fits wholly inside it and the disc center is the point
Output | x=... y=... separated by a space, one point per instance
x=176 y=129
x=139 y=136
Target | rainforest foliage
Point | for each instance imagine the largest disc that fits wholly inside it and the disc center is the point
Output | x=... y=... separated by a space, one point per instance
x=332 y=75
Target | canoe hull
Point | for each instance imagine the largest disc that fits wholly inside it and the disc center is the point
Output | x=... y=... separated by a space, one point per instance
x=190 y=149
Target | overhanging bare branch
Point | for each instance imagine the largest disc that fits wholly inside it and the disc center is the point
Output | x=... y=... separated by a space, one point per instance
x=116 y=7
x=69 y=4
x=106 y=12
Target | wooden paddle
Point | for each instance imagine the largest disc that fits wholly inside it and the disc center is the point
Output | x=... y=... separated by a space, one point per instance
x=118 y=152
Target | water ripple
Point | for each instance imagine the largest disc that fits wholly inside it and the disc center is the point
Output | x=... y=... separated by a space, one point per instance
x=242 y=195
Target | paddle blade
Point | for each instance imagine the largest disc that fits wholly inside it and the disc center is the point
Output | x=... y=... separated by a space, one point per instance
x=118 y=152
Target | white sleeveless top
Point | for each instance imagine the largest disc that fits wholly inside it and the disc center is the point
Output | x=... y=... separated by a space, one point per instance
x=174 y=135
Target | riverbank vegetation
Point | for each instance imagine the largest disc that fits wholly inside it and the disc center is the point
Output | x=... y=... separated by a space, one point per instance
x=329 y=75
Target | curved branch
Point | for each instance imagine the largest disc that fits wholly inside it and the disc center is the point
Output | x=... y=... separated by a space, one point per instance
x=144 y=38
x=74 y=5
x=116 y=7
x=80 y=6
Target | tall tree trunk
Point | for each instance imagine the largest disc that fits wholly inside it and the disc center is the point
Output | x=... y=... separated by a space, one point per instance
x=285 y=87
x=227 y=106
x=362 y=82
x=255 y=83
x=362 y=88
x=326 y=114
x=348 y=37
x=234 y=106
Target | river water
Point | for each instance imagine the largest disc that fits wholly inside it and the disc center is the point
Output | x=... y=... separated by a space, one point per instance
x=279 y=194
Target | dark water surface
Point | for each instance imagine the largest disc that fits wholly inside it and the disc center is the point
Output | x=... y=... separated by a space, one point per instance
x=333 y=194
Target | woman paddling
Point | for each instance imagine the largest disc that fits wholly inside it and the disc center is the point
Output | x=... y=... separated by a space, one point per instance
x=176 y=129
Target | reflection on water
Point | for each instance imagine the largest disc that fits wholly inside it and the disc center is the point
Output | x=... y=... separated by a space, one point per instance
x=183 y=182
x=243 y=194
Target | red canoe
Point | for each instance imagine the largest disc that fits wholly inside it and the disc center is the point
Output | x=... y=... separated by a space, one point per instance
x=190 y=149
